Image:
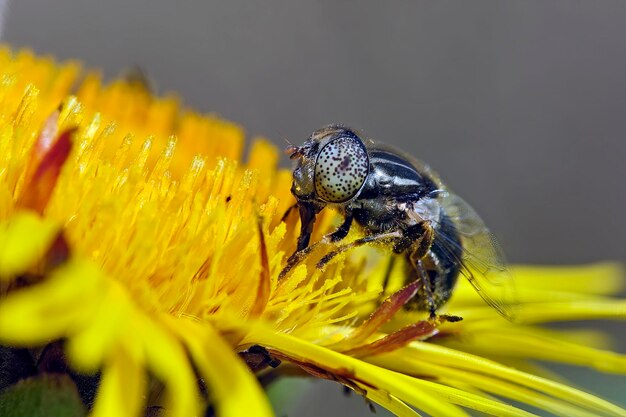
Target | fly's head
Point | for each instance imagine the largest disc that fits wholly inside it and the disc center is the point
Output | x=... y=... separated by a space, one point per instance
x=330 y=167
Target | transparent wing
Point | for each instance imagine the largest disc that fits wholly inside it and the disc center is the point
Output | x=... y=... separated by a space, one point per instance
x=482 y=261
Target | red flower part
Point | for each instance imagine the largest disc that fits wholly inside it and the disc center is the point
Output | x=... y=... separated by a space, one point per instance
x=41 y=185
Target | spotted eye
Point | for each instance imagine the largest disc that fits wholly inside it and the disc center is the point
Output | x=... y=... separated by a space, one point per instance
x=340 y=169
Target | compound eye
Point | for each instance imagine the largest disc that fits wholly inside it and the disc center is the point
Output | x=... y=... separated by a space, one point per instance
x=341 y=168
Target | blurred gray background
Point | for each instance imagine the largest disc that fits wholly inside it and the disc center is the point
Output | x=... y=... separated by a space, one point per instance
x=521 y=106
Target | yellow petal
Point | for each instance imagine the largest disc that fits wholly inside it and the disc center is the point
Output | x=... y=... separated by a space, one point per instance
x=433 y=398
x=575 y=310
x=121 y=390
x=392 y=403
x=553 y=284
x=112 y=323
x=169 y=363
x=24 y=239
x=531 y=343
x=228 y=379
x=54 y=308
x=603 y=278
x=457 y=359
x=473 y=380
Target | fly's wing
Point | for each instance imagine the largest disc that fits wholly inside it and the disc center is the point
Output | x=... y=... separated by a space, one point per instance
x=482 y=261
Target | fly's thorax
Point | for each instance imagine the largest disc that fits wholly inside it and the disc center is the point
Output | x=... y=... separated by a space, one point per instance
x=393 y=174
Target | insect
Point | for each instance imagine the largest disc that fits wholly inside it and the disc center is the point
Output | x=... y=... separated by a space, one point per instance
x=402 y=204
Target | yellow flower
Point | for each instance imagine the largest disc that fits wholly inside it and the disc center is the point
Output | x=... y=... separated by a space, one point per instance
x=132 y=230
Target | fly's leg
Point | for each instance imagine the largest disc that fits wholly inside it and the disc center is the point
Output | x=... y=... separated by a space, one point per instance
x=422 y=275
x=376 y=238
x=288 y=212
x=296 y=258
x=307 y=219
x=307 y=227
x=392 y=262
x=343 y=230
x=422 y=236
x=299 y=256
x=417 y=239
x=416 y=243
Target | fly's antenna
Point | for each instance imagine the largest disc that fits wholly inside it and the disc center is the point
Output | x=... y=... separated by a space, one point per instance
x=292 y=151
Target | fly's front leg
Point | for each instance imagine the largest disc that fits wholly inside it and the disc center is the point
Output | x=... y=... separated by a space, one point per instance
x=296 y=258
x=288 y=212
x=307 y=219
x=343 y=230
